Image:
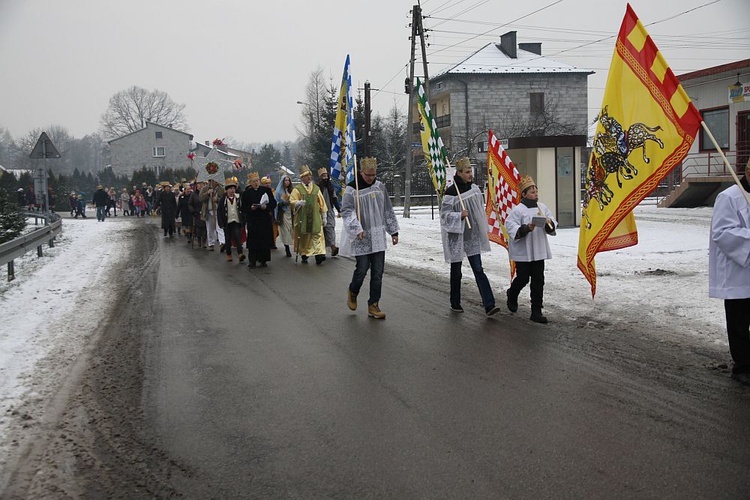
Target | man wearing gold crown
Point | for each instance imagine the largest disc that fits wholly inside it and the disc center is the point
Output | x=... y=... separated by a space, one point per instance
x=258 y=204
x=231 y=218
x=309 y=209
x=464 y=229
x=528 y=225
x=368 y=215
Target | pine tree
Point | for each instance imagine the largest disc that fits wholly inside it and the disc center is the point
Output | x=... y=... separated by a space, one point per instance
x=12 y=222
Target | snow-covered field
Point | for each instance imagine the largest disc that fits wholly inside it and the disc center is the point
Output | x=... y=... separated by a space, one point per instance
x=660 y=284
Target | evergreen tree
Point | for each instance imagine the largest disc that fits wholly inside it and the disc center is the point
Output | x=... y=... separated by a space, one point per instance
x=12 y=221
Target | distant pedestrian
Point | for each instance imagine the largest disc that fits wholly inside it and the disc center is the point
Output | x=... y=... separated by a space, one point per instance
x=167 y=205
x=309 y=210
x=231 y=219
x=258 y=204
x=332 y=203
x=284 y=213
x=100 y=201
x=729 y=270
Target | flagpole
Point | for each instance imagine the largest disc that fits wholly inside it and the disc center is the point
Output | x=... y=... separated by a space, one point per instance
x=460 y=199
x=356 y=183
x=726 y=162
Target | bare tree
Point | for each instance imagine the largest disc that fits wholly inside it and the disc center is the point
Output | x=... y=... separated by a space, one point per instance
x=130 y=109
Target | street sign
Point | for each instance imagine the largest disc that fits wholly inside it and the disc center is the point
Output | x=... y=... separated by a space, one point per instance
x=44 y=148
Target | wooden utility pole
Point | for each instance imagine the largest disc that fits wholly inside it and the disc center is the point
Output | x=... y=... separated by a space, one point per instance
x=416 y=30
x=368 y=115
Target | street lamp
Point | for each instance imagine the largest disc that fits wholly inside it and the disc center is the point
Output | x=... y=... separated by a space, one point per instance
x=309 y=113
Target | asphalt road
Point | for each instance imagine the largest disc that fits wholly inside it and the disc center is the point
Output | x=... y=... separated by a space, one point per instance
x=263 y=384
x=209 y=380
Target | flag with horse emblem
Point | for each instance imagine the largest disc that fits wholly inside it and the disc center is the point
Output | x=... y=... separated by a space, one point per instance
x=503 y=192
x=644 y=129
x=432 y=144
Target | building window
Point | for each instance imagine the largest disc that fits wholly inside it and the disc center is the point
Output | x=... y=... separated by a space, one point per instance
x=536 y=101
x=158 y=135
x=718 y=122
x=158 y=152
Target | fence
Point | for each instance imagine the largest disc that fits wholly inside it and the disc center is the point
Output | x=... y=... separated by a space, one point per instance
x=11 y=250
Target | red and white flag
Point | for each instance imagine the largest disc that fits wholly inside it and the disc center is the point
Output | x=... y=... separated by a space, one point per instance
x=503 y=192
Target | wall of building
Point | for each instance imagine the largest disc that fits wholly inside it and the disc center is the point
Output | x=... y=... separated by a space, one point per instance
x=497 y=101
x=135 y=151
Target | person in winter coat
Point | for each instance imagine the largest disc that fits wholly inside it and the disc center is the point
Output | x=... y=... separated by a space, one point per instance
x=101 y=201
x=729 y=269
x=329 y=195
x=183 y=212
x=231 y=218
x=528 y=225
x=258 y=204
x=195 y=205
x=365 y=227
x=456 y=213
x=167 y=204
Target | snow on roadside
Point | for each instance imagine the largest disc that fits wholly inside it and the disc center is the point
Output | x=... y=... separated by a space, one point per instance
x=50 y=310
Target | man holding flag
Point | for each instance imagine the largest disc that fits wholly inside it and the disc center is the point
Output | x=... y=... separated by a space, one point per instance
x=464 y=232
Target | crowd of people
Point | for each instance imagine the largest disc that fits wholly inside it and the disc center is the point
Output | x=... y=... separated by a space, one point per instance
x=303 y=215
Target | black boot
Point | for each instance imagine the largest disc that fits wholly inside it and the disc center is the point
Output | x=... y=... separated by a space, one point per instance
x=288 y=251
x=537 y=316
x=512 y=302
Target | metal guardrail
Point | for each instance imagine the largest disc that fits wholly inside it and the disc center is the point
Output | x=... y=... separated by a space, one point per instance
x=11 y=250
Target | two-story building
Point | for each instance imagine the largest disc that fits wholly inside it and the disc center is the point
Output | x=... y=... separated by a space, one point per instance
x=155 y=147
x=722 y=95
x=536 y=104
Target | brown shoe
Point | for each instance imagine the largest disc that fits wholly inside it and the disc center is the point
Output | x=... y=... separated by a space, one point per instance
x=351 y=300
x=211 y=248
x=229 y=258
x=334 y=250
x=242 y=257
x=374 y=311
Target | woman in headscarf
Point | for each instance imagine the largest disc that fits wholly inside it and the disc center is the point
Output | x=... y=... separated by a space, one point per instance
x=284 y=212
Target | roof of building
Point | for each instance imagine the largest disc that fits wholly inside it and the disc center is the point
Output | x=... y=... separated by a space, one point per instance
x=491 y=59
x=148 y=123
x=732 y=67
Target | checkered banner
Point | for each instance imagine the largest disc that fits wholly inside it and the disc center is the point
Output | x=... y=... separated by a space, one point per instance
x=503 y=192
x=432 y=144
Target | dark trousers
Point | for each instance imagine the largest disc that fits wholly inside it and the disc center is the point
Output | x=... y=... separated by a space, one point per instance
x=375 y=262
x=233 y=236
x=738 y=331
x=485 y=290
x=529 y=270
x=261 y=256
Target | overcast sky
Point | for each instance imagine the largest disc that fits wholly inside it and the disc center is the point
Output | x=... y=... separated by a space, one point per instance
x=239 y=66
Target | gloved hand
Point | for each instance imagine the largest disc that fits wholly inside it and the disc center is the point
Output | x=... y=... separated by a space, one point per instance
x=300 y=204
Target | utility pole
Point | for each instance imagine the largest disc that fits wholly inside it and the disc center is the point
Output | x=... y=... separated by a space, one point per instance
x=416 y=30
x=368 y=115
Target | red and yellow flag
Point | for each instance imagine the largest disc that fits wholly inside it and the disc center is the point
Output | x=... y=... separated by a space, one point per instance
x=503 y=192
x=644 y=129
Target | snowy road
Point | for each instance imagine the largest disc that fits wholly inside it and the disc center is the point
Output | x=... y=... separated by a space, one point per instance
x=614 y=395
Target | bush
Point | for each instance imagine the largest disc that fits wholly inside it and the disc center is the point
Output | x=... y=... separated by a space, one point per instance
x=12 y=221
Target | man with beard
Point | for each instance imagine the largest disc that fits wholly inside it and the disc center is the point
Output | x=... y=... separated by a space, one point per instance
x=329 y=195
x=309 y=209
x=257 y=204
